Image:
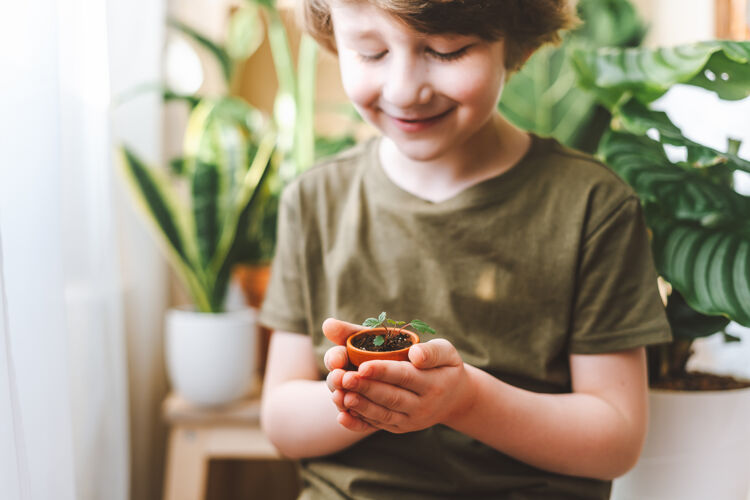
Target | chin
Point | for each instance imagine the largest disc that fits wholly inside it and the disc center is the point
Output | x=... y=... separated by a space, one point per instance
x=421 y=150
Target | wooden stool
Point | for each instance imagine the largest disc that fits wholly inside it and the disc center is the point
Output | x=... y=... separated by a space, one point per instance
x=199 y=434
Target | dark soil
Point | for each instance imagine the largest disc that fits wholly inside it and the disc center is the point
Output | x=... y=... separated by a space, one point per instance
x=697 y=381
x=392 y=343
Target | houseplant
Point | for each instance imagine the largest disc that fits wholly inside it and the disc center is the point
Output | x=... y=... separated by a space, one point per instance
x=543 y=96
x=298 y=146
x=228 y=153
x=384 y=338
x=700 y=230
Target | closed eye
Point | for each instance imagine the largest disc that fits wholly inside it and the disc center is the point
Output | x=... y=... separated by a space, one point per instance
x=372 y=57
x=449 y=56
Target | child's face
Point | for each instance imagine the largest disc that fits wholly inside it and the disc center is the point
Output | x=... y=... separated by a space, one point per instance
x=430 y=94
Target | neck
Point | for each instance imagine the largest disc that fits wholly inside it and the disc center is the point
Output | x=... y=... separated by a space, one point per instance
x=495 y=149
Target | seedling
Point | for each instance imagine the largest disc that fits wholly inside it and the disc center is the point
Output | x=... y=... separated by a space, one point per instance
x=383 y=321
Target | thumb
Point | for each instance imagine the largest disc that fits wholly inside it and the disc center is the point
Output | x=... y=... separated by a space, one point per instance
x=434 y=354
x=338 y=331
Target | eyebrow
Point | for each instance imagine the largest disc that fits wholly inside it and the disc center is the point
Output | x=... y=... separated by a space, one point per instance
x=362 y=35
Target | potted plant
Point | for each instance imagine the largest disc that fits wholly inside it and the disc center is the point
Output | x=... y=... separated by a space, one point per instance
x=298 y=145
x=228 y=153
x=384 y=338
x=700 y=229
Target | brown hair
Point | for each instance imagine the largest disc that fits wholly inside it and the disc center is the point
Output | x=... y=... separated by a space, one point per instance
x=525 y=25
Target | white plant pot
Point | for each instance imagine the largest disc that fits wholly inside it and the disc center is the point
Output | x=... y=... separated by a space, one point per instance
x=697 y=448
x=210 y=356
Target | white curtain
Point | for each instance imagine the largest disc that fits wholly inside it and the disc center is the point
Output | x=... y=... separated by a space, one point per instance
x=64 y=304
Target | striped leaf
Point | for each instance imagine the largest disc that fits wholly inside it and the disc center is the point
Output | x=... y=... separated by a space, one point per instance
x=710 y=268
x=637 y=119
x=160 y=204
x=246 y=201
x=683 y=193
x=701 y=229
x=647 y=73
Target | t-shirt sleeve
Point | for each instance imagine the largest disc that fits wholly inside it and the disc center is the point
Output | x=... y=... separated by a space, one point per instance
x=617 y=304
x=283 y=306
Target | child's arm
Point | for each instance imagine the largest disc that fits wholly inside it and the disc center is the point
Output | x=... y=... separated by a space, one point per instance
x=296 y=410
x=595 y=431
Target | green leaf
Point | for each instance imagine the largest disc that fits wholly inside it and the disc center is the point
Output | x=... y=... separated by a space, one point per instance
x=245 y=33
x=647 y=73
x=154 y=194
x=682 y=194
x=701 y=229
x=422 y=327
x=711 y=269
x=382 y=317
x=687 y=323
x=728 y=338
x=205 y=195
x=637 y=119
x=304 y=135
x=543 y=96
x=379 y=340
x=371 y=322
x=170 y=95
x=221 y=55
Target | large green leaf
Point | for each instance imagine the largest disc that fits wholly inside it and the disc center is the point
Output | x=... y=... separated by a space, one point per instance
x=711 y=268
x=682 y=194
x=637 y=119
x=701 y=229
x=647 y=73
x=543 y=96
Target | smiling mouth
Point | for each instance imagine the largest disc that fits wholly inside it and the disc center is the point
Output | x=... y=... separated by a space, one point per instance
x=426 y=119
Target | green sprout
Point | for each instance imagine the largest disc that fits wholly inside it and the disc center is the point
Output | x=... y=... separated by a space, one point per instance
x=417 y=325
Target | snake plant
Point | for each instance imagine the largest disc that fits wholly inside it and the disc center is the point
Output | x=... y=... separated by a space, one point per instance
x=293 y=113
x=700 y=224
x=227 y=158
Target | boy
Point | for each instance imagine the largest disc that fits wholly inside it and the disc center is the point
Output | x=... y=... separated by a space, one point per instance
x=530 y=260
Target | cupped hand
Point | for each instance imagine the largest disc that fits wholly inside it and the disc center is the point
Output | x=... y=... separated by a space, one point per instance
x=336 y=361
x=399 y=396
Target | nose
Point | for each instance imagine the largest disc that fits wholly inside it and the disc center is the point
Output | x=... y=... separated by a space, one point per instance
x=407 y=83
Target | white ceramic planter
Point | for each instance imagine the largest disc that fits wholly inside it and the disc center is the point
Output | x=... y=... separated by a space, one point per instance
x=697 y=448
x=210 y=357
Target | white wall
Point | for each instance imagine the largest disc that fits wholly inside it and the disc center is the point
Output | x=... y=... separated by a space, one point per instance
x=674 y=22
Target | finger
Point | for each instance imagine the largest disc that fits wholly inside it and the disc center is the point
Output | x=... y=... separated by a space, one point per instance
x=338 y=399
x=336 y=357
x=383 y=394
x=373 y=412
x=371 y=423
x=334 y=380
x=395 y=373
x=352 y=423
x=434 y=354
x=338 y=331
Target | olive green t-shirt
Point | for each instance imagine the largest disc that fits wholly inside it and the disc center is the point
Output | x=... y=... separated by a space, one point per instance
x=519 y=271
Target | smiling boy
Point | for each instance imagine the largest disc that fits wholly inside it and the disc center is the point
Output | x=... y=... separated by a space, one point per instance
x=531 y=261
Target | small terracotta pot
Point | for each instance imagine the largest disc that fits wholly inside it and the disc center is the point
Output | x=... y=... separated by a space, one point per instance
x=359 y=356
